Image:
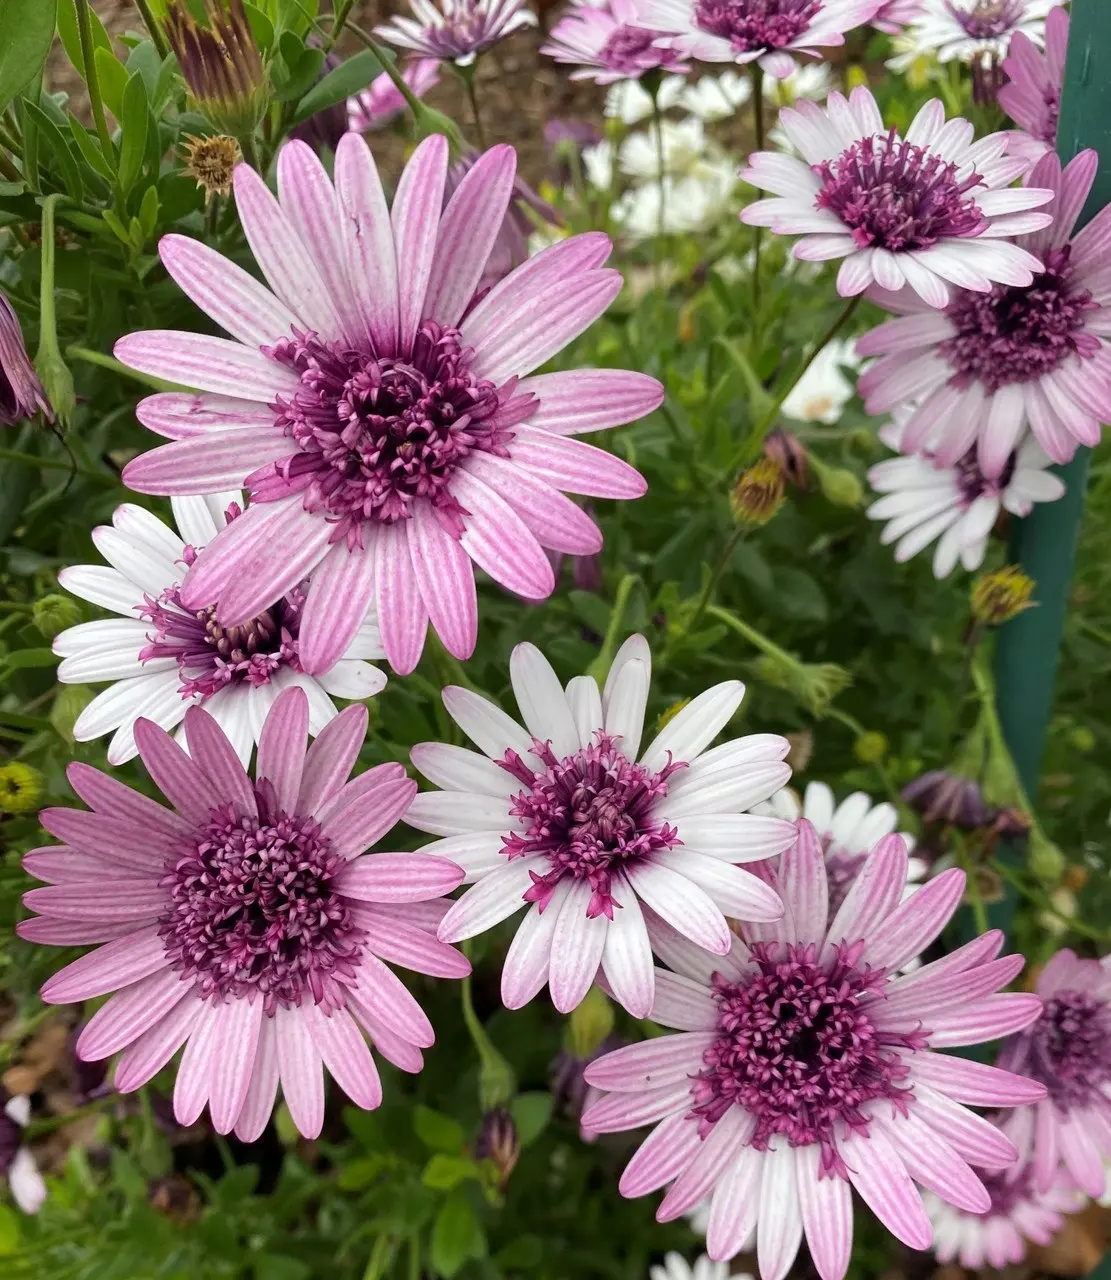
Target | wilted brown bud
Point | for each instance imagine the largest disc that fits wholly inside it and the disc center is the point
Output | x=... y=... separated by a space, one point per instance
x=786 y=449
x=947 y=797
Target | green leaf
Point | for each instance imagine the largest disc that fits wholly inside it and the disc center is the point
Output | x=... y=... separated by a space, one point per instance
x=261 y=27
x=59 y=149
x=438 y=1132
x=337 y=86
x=302 y=73
x=71 y=40
x=148 y=211
x=531 y=1113
x=358 y=1174
x=117 y=227
x=89 y=148
x=9 y=1230
x=113 y=80
x=26 y=30
x=21 y=658
x=144 y=59
x=133 y=122
x=443 y=1172
x=272 y=1266
x=456 y=1235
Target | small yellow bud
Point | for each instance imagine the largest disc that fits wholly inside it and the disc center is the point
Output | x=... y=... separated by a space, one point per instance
x=1001 y=595
x=20 y=788
x=1082 y=739
x=870 y=747
x=758 y=494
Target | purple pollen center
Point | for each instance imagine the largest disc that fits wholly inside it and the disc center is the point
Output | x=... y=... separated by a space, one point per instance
x=895 y=195
x=375 y=433
x=842 y=869
x=988 y=18
x=253 y=910
x=797 y=1049
x=590 y=815
x=630 y=50
x=1069 y=1049
x=751 y=25
x=1015 y=334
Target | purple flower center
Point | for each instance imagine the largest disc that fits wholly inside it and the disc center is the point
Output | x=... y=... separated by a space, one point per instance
x=1007 y=1187
x=1046 y=130
x=630 y=50
x=253 y=911
x=1068 y=1049
x=590 y=815
x=797 y=1049
x=987 y=18
x=11 y=1137
x=895 y=195
x=374 y=433
x=974 y=484
x=1015 y=334
x=751 y=25
x=842 y=869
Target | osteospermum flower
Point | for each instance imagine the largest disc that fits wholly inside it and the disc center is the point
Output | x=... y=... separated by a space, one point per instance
x=956 y=505
x=1019 y=1214
x=1068 y=1049
x=163 y=658
x=21 y=393
x=386 y=429
x=676 y=1267
x=17 y=1164
x=806 y=1068
x=770 y=32
x=1032 y=94
x=976 y=32
x=456 y=30
x=925 y=210
x=569 y=819
x=993 y=363
x=609 y=42
x=381 y=100
x=246 y=922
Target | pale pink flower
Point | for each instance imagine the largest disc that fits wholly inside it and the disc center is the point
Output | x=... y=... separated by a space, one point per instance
x=246 y=923
x=932 y=209
x=568 y=819
x=610 y=42
x=893 y=15
x=770 y=32
x=976 y=32
x=382 y=100
x=993 y=364
x=17 y=1164
x=863 y=1099
x=1032 y=95
x=1068 y=1049
x=456 y=30
x=382 y=420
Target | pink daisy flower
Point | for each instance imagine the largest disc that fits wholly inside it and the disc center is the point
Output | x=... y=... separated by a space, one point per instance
x=381 y=100
x=382 y=419
x=770 y=32
x=163 y=658
x=245 y=923
x=1068 y=1049
x=609 y=42
x=456 y=30
x=21 y=393
x=976 y=32
x=926 y=210
x=1032 y=95
x=993 y=363
x=807 y=1067
x=1019 y=1214
x=893 y=15
x=570 y=820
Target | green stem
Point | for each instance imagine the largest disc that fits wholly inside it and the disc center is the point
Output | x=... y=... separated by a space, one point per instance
x=48 y=320
x=8 y=170
x=339 y=21
x=250 y=152
x=661 y=212
x=972 y=889
x=153 y=29
x=602 y=663
x=1043 y=902
x=755 y=638
x=467 y=75
x=54 y=464
x=414 y=1257
x=87 y=356
x=49 y=1123
x=389 y=66
x=757 y=73
x=96 y=102
x=711 y=582
x=496 y=1083
x=380 y=1258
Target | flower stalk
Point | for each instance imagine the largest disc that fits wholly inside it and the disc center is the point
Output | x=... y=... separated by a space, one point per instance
x=96 y=102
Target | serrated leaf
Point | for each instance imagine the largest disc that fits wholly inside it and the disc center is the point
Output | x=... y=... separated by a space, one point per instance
x=26 y=31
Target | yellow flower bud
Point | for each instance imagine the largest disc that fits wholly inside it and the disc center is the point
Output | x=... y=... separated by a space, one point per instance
x=20 y=788
x=1001 y=595
x=758 y=494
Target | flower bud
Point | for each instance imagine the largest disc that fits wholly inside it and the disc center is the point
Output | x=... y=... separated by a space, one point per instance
x=839 y=485
x=221 y=64
x=69 y=701
x=758 y=494
x=57 y=381
x=55 y=613
x=498 y=1142
x=1001 y=595
x=1044 y=859
x=21 y=393
x=949 y=798
x=20 y=788
x=870 y=747
x=1082 y=739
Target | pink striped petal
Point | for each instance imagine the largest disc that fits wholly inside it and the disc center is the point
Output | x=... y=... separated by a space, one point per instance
x=236 y=1035
x=210 y=748
x=974 y=1083
x=398 y=877
x=195 y=1071
x=928 y=998
x=402 y=616
x=736 y=892
x=826 y=1209
x=263 y=1089
x=577 y=945
x=620 y=1111
x=181 y=415
x=581 y=400
x=218 y=564
x=492 y=900
x=682 y=904
x=130 y=1013
x=144 y=1058
x=467 y=232
x=340 y=593
x=281 y=747
x=444 y=577
x=331 y=757
x=499 y=541
x=359 y=815
x=1082 y=1157
x=882 y=1181
x=909 y=929
x=682 y=1003
x=210 y=463
x=181 y=780
x=804 y=888
x=371 y=257
x=978 y=1140
x=555 y=520
x=208 y=364
x=735 y=1206
x=875 y=894
x=111 y=799
x=987 y=1019
x=383 y=993
x=120 y=842
x=114 y=903
x=627 y=958
x=394 y=1048
x=235 y=300
x=415 y=218
x=779 y=1226
x=301 y=1070
x=661 y=1156
x=114 y=965
x=574 y=465
x=402 y=943
x=719 y=1149
x=346 y=1055
x=933 y=1163
x=652 y=1064
x=70 y=933
x=528 y=961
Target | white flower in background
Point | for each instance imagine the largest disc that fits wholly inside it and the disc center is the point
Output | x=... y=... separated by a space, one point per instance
x=676 y=1267
x=685 y=149
x=629 y=102
x=976 y=31
x=717 y=97
x=163 y=658
x=811 y=80
x=691 y=204
x=17 y=1163
x=598 y=164
x=823 y=391
x=955 y=505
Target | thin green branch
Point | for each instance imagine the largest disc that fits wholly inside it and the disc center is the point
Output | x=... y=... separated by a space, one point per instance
x=153 y=28
x=92 y=82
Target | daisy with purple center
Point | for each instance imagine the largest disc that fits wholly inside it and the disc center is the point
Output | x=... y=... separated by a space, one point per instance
x=926 y=500
x=1032 y=94
x=381 y=100
x=932 y=209
x=976 y=32
x=1019 y=1214
x=808 y=1067
x=381 y=417
x=246 y=923
x=569 y=819
x=1068 y=1049
x=609 y=42
x=993 y=363
x=456 y=30
x=163 y=658
x=769 y=32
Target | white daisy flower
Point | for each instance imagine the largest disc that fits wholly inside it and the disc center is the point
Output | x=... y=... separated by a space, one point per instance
x=691 y=204
x=976 y=32
x=569 y=818
x=717 y=97
x=629 y=102
x=823 y=391
x=17 y=1163
x=684 y=144
x=676 y=1267
x=812 y=80
x=163 y=658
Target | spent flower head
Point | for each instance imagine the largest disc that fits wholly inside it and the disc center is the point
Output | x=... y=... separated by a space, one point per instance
x=759 y=493
x=210 y=161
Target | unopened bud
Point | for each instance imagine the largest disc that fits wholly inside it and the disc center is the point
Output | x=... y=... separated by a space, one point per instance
x=499 y=1143
x=839 y=485
x=55 y=613
x=1001 y=595
x=588 y=1024
x=1082 y=739
x=57 y=381
x=870 y=748
x=20 y=788
x=758 y=494
x=1045 y=860
x=69 y=701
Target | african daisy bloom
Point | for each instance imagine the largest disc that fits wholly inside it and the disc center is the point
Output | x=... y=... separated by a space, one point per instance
x=769 y=32
x=17 y=1164
x=569 y=819
x=456 y=30
x=676 y=1267
x=932 y=209
x=926 y=500
x=1032 y=94
x=1019 y=1214
x=976 y=32
x=163 y=658
x=992 y=364
x=246 y=922
x=381 y=100
x=21 y=393
x=387 y=430
x=1068 y=1049
x=806 y=1067
x=609 y=42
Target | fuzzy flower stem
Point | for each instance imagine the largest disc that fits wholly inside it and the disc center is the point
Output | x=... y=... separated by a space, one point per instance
x=153 y=29
x=85 y=32
x=339 y=21
x=756 y=638
x=757 y=73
